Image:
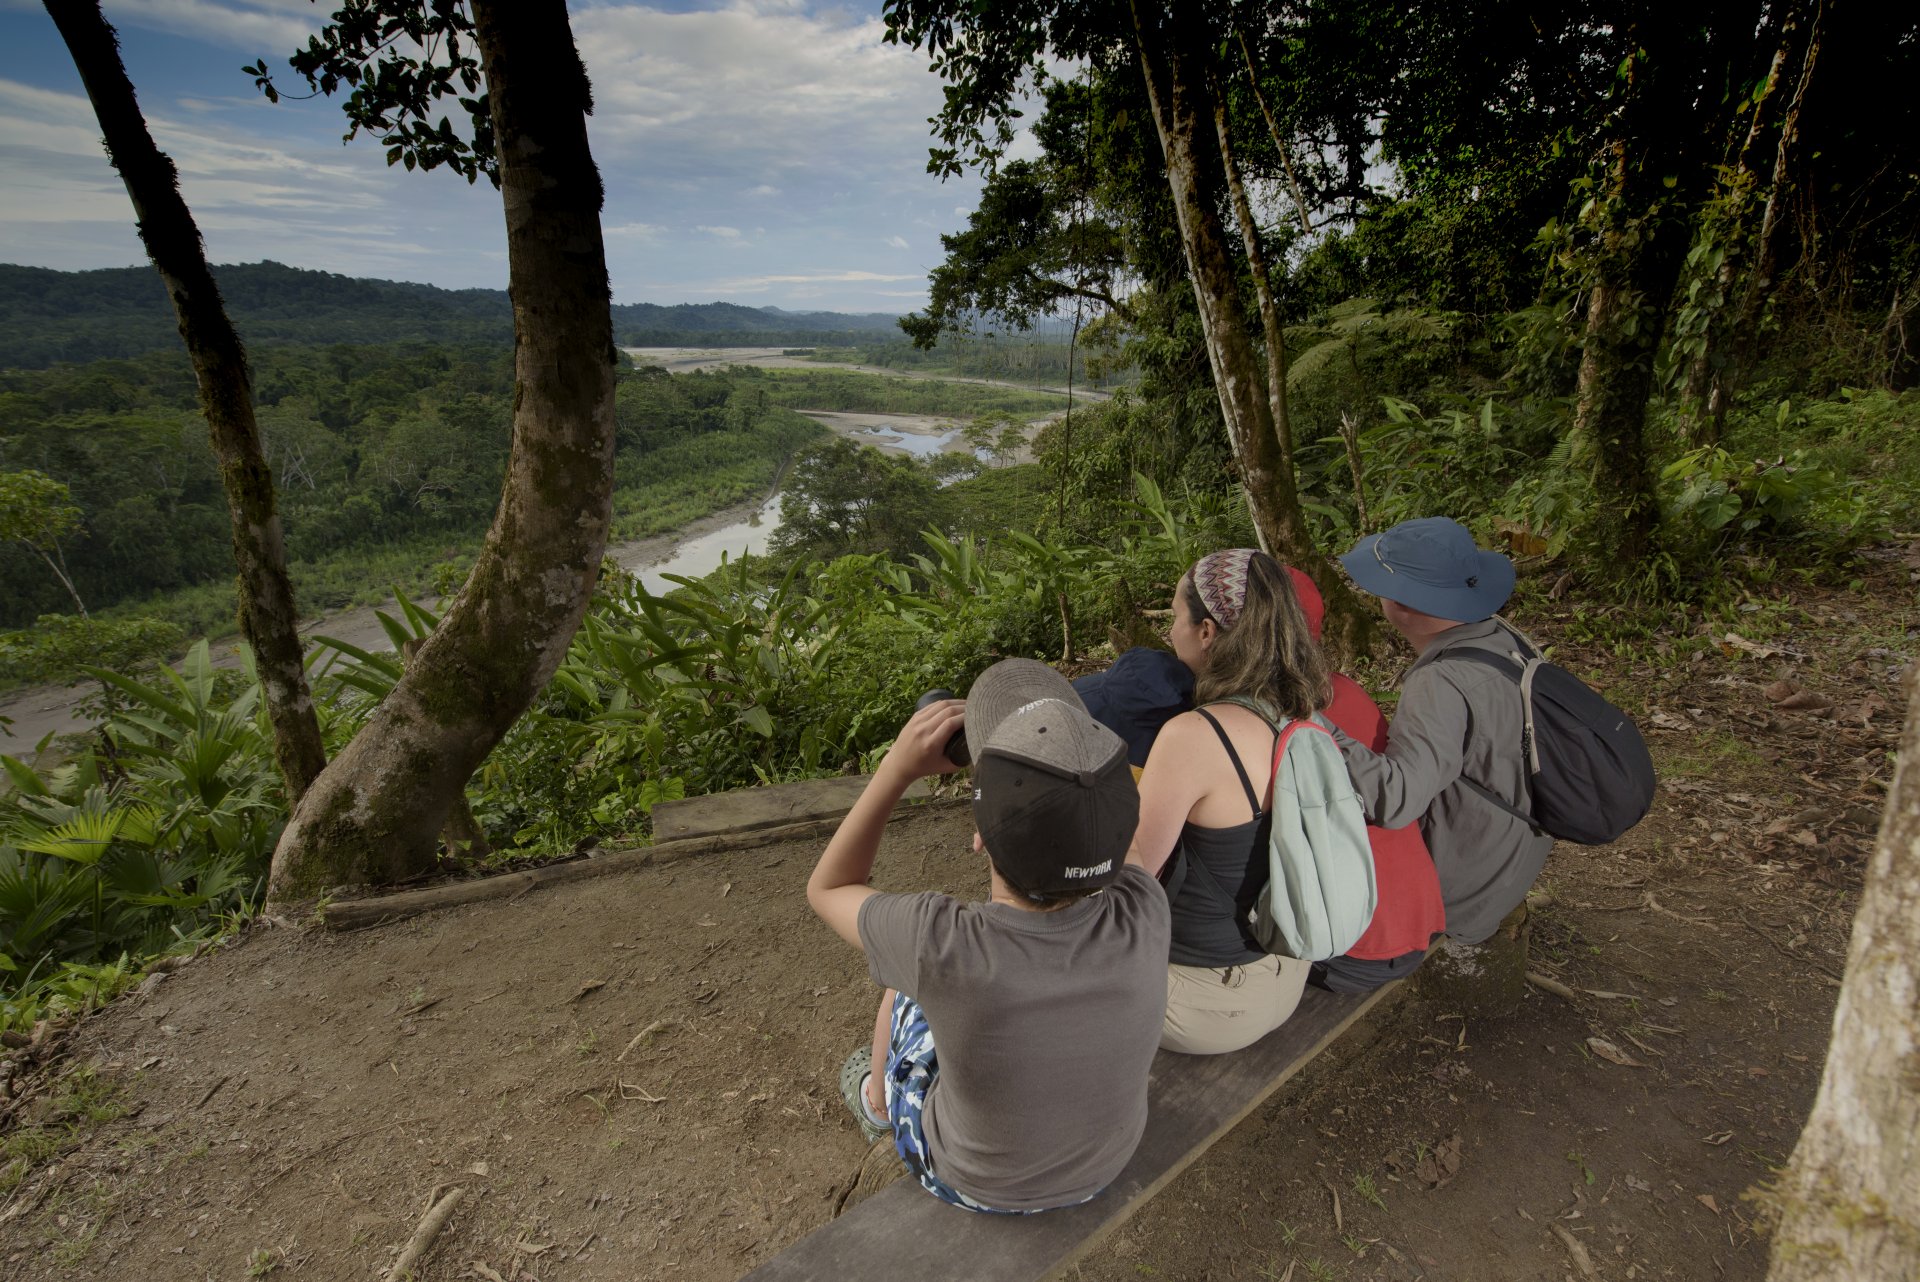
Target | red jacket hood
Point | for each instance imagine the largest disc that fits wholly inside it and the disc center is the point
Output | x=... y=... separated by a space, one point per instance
x=1310 y=602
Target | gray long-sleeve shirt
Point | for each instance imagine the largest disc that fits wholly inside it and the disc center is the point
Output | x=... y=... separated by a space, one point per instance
x=1458 y=720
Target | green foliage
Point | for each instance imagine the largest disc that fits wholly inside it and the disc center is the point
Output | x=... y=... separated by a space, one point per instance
x=1715 y=499
x=366 y=45
x=58 y=646
x=841 y=497
x=388 y=462
x=35 y=510
x=152 y=838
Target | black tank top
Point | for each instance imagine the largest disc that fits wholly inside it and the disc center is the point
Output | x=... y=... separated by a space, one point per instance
x=1226 y=871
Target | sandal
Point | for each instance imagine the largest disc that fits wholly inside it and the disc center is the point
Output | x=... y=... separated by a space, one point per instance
x=853 y=1075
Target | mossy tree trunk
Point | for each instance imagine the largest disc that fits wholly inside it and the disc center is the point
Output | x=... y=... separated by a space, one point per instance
x=268 y=618
x=1743 y=337
x=375 y=813
x=1655 y=169
x=1850 y=1199
x=1176 y=67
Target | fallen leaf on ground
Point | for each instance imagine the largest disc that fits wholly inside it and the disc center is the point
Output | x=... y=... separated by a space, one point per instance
x=1868 y=706
x=1706 y=1200
x=1664 y=720
x=1441 y=1163
x=588 y=987
x=1792 y=698
x=1612 y=1054
x=1754 y=648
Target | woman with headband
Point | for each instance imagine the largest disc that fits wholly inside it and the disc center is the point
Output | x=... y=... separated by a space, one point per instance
x=1237 y=623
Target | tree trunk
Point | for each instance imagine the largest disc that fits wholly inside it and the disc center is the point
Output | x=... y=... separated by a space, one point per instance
x=1273 y=130
x=1744 y=331
x=1654 y=175
x=1849 y=1201
x=1700 y=424
x=268 y=617
x=373 y=816
x=59 y=569
x=1176 y=75
x=1348 y=624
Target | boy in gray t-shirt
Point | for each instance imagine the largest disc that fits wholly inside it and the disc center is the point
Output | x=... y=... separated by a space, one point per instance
x=1046 y=1000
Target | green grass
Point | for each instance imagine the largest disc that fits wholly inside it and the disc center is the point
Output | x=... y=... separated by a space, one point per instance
x=1708 y=754
x=83 y=1099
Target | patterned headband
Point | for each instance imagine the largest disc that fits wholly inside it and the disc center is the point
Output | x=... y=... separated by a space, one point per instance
x=1221 y=580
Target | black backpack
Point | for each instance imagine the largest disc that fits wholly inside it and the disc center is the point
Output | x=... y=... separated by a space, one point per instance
x=1589 y=771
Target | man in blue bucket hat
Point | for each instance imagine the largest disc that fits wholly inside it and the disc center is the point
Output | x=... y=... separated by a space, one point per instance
x=1456 y=734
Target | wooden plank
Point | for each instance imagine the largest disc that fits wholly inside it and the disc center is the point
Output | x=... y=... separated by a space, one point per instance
x=744 y=809
x=1192 y=1101
x=378 y=910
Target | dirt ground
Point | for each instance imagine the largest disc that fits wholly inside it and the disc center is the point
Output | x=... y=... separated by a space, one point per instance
x=633 y=1077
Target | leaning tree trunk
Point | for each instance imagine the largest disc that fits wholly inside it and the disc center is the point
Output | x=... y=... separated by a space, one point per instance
x=268 y=618
x=1176 y=83
x=1850 y=1198
x=1348 y=624
x=373 y=816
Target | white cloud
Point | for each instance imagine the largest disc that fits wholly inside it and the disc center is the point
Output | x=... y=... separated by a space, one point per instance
x=648 y=232
x=772 y=143
x=271 y=28
x=755 y=283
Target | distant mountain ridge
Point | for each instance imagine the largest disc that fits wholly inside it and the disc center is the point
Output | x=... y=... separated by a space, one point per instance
x=49 y=316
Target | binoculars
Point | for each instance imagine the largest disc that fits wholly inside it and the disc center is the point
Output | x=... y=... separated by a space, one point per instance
x=956 y=749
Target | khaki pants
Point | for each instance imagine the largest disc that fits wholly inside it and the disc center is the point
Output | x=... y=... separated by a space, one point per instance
x=1211 y=1010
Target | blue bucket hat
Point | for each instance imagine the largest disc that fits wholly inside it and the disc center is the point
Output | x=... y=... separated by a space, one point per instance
x=1142 y=691
x=1432 y=565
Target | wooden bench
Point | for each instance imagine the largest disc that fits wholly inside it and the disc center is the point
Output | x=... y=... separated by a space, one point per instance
x=1192 y=1100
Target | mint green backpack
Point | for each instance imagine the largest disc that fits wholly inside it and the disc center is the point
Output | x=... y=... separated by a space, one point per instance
x=1320 y=892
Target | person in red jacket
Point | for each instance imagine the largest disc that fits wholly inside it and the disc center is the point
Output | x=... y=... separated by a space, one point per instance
x=1410 y=913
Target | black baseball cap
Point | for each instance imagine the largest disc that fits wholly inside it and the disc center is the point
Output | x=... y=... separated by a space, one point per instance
x=1053 y=794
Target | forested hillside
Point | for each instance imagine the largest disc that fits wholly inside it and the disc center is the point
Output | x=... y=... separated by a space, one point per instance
x=384 y=456
x=51 y=316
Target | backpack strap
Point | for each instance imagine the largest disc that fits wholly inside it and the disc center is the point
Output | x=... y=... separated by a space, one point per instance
x=1253 y=800
x=1520 y=672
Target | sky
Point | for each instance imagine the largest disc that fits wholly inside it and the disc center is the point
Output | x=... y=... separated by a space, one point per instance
x=764 y=152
